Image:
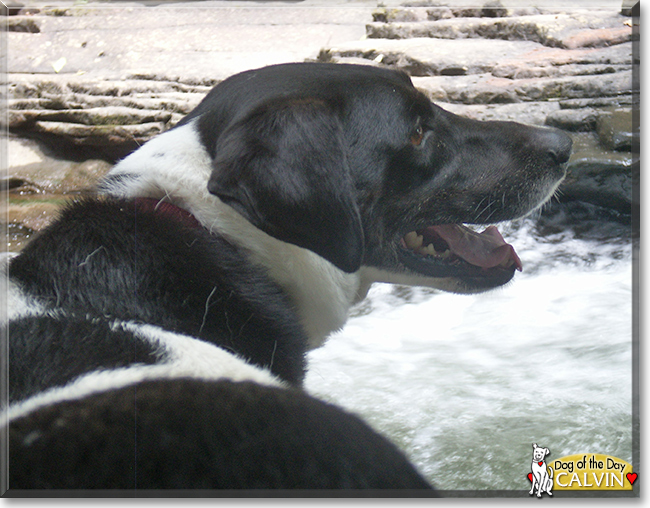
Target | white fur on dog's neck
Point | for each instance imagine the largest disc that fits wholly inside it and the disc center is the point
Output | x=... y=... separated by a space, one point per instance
x=175 y=167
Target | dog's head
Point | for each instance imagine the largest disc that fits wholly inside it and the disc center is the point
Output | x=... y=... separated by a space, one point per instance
x=353 y=163
x=539 y=453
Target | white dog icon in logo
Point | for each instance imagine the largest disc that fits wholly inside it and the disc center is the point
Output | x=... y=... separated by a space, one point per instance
x=542 y=475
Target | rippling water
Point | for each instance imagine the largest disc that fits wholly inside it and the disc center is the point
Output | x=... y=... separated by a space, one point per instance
x=466 y=384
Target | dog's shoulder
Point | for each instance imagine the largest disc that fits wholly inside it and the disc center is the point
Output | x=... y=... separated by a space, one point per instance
x=191 y=433
x=110 y=259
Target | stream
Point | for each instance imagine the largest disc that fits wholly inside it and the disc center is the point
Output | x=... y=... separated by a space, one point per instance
x=466 y=384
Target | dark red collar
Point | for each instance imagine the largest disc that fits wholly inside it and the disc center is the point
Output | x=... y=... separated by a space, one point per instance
x=167 y=209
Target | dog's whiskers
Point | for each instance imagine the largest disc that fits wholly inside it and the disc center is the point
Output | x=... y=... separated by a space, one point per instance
x=489 y=215
x=485 y=208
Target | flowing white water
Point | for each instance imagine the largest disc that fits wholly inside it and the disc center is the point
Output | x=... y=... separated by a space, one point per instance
x=466 y=384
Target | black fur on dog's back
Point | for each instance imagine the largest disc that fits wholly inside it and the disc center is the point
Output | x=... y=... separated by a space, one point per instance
x=47 y=351
x=184 y=433
x=112 y=260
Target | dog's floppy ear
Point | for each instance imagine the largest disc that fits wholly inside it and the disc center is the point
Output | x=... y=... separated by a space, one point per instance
x=284 y=168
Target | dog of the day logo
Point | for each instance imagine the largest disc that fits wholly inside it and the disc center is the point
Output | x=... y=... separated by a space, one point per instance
x=589 y=471
x=541 y=475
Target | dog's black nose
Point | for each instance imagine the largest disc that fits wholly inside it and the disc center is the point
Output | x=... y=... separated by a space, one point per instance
x=555 y=142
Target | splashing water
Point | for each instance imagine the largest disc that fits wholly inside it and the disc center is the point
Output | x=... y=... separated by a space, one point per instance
x=465 y=384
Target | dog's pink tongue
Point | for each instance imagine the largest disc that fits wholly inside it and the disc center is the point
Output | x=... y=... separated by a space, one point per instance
x=487 y=249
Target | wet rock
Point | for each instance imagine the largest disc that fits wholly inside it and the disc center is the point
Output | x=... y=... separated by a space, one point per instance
x=598 y=176
x=586 y=221
x=31 y=215
x=37 y=171
x=574 y=119
x=614 y=125
x=17 y=235
x=21 y=152
x=39 y=183
x=616 y=129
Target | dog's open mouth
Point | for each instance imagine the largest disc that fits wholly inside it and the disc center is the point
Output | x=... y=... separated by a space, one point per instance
x=454 y=250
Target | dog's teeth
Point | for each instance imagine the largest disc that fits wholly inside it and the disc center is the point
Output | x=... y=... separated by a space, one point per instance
x=413 y=240
x=429 y=250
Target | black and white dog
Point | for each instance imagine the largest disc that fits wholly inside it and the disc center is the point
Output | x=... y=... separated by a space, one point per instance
x=158 y=332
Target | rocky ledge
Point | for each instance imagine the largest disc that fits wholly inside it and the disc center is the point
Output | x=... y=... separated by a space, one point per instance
x=568 y=69
x=92 y=83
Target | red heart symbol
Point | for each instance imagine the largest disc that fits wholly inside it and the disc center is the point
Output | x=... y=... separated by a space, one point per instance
x=540 y=463
x=631 y=477
x=530 y=477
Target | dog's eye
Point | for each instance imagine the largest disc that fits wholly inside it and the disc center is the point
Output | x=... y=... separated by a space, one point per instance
x=417 y=136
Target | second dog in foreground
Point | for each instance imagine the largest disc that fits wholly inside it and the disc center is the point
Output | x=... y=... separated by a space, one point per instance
x=159 y=331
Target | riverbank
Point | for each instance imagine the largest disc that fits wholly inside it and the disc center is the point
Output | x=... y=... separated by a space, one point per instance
x=89 y=83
